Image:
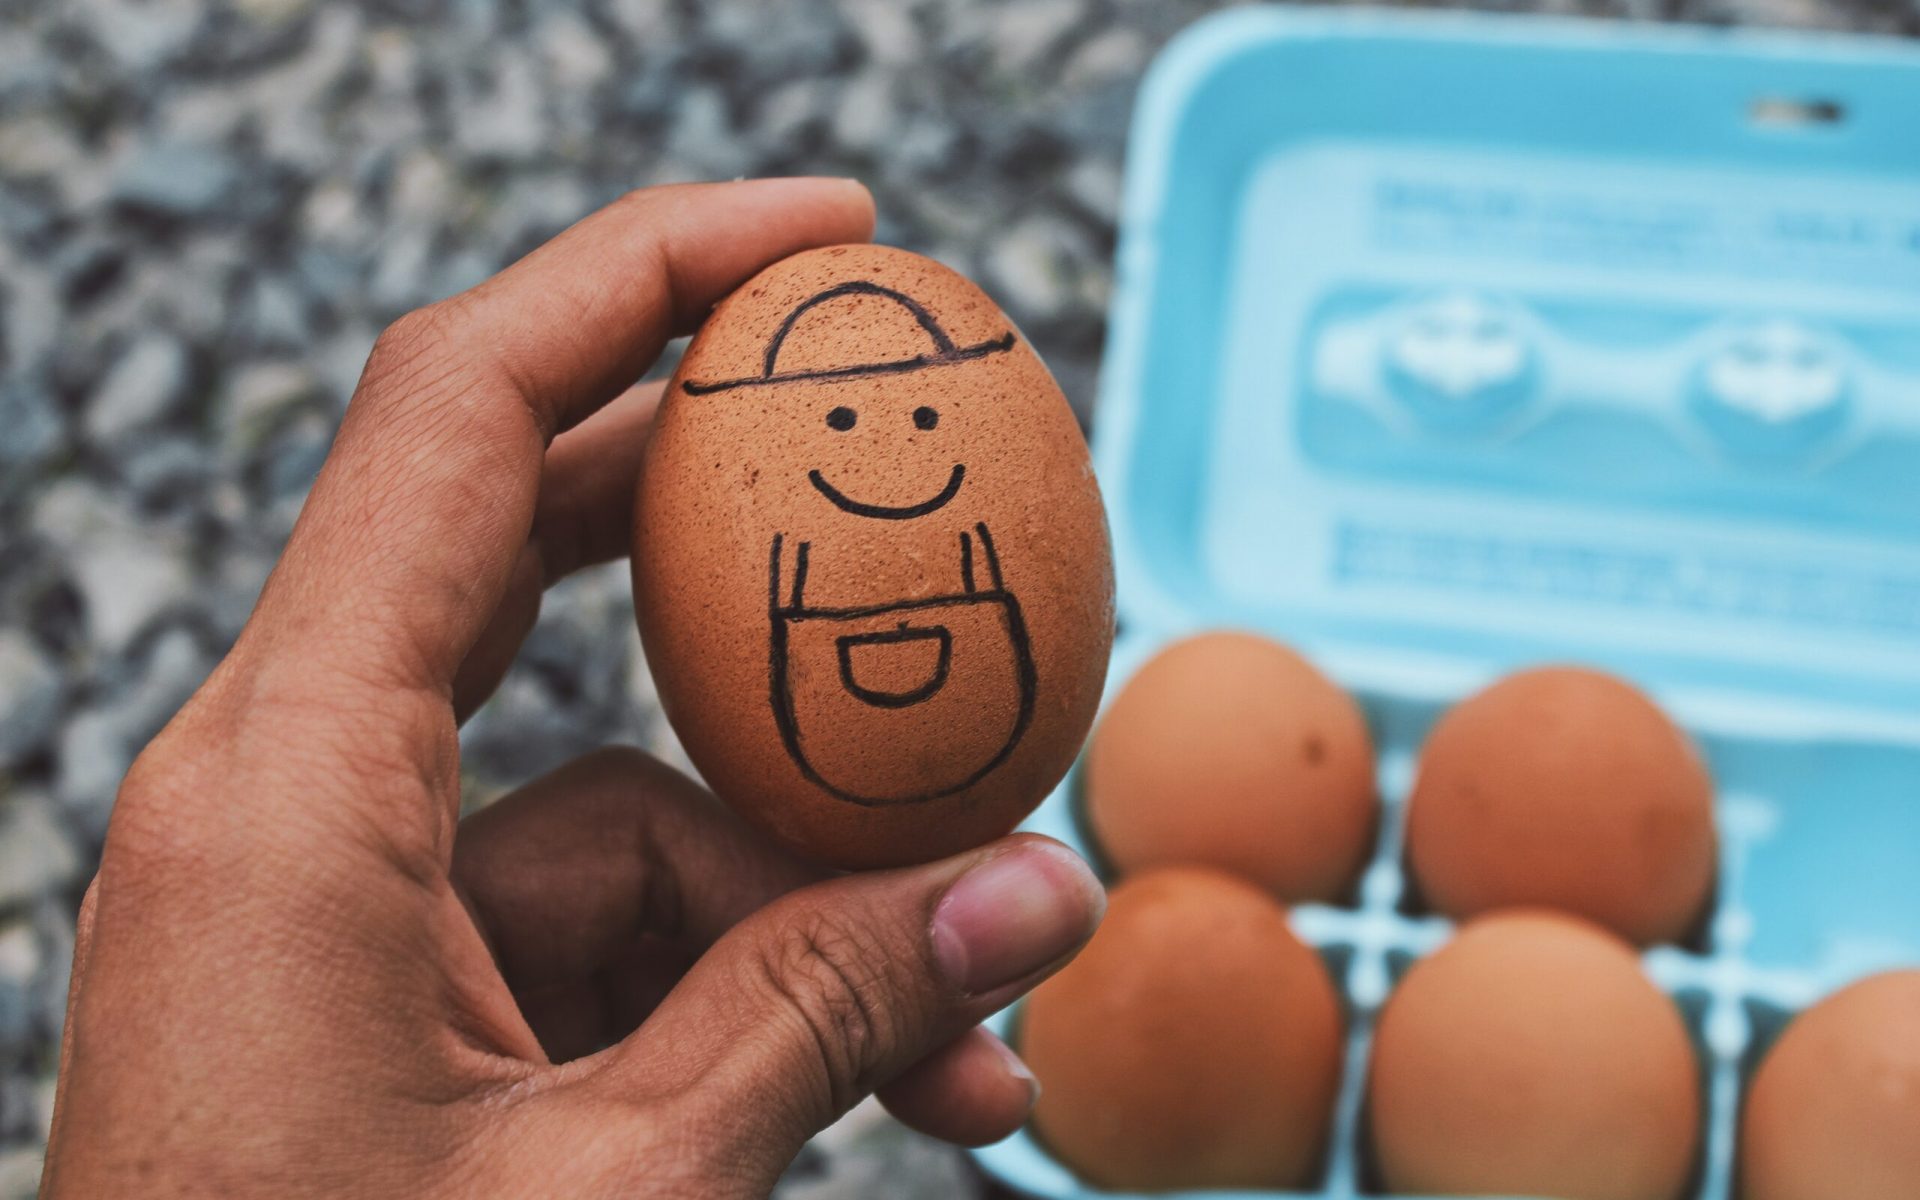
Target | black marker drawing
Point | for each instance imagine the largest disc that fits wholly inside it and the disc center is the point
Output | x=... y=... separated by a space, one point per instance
x=883 y=687
x=879 y=697
x=884 y=512
x=975 y=631
x=944 y=351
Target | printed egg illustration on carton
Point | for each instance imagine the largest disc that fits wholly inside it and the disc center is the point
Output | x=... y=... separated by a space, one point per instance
x=871 y=564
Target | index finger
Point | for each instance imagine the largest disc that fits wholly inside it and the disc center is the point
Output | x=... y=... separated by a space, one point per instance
x=411 y=531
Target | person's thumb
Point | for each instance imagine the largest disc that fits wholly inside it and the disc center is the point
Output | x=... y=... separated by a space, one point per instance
x=833 y=990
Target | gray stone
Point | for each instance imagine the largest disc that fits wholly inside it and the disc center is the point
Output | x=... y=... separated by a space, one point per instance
x=505 y=120
x=19 y=1109
x=36 y=855
x=53 y=917
x=464 y=269
x=534 y=208
x=573 y=55
x=925 y=143
x=30 y=691
x=46 y=1087
x=143 y=36
x=792 y=112
x=166 y=471
x=31 y=314
x=400 y=275
x=810 y=40
x=1026 y=34
x=323 y=271
x=703 y=134
x=423 y=186
x=20 y=1171
x=294 y=458
x=33 y=427
x=27 y=73
x=274 y=314
x=127 y=582
x=16 y=1017
x=170 y=670
x=20 y=964
x=23 y=218
x=98 y=743
x=1094 y=184
x=94 y=756
x=643 y=21
x=864 y=115
x=142 y=385
x=565 y=696
x=234 y=585
x=339 y=360
x=886 y=31
x=178 y=179
x=1116 y=53
x=1032 y=266
x=261 y=397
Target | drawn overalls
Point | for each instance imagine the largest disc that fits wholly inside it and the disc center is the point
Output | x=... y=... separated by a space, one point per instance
x=911 y=677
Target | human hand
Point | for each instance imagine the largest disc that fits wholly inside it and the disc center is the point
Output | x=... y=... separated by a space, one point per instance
x=299 y=973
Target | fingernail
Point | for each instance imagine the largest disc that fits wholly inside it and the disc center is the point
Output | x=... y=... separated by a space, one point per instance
x=1013 y=914
x=1018 y=1068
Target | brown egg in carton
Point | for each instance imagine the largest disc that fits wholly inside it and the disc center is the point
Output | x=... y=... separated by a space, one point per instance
x=1373 y=927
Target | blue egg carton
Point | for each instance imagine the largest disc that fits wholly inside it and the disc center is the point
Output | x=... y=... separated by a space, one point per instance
x=1443 y=345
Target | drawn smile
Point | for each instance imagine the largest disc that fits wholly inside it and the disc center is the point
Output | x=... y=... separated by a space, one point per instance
x=887 y=512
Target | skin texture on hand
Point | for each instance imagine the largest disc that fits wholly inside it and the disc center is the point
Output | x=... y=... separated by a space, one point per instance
x=298 y=973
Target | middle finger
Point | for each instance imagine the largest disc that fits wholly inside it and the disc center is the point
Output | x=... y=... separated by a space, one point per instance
x=612 y=859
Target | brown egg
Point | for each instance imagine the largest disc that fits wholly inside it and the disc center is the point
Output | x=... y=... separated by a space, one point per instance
x=1834 y=1110
x=1567 y=788
x=1531 y=1056
x=1230 y=750
x=1194 y=1043
x=870 y=560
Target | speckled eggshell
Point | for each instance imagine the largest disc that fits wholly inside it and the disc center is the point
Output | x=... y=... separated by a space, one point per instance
x=1228 y=749
x=1531 y=1056
x=1834 y=1109
x=1194 y=1043
x=1569 y=788
x=870 y=562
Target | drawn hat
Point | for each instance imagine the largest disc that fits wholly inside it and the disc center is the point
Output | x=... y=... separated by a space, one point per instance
x=940 y=352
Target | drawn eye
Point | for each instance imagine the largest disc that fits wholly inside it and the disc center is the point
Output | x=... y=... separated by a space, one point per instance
x=925 y=418
x=841 y=418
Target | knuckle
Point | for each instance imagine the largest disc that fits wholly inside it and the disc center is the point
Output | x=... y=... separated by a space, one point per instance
x=148 y=839
x=230 y=780
x=420 y=334
x=89 y=906
x=639 y=201
x=419 y=352
x=170 y=802
x=83 y=924
x=833 y=980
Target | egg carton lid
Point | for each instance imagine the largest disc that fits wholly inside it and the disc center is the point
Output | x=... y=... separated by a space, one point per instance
x=1445 y=343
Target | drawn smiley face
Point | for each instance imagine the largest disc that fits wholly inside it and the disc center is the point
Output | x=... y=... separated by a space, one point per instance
x=866 y=415
x=842 y=418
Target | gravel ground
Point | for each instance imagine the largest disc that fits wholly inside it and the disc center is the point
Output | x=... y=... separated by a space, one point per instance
x=208 y=208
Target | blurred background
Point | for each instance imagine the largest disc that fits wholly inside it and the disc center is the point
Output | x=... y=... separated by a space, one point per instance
x=208 y=209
